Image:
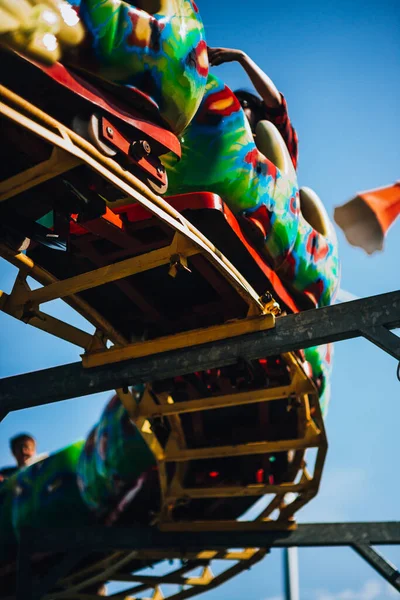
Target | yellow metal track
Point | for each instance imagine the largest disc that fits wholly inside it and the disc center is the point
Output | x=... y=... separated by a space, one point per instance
x=70 y=150
x=58 y=135
x=312 y=435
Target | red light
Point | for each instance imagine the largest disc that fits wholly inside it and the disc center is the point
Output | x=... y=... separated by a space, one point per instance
x=213 y=474
x=260 y=476
x=271 y=480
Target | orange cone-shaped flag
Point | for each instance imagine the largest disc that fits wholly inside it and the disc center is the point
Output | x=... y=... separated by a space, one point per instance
x=366 y=218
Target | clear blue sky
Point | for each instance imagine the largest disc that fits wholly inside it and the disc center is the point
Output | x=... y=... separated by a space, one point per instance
x=338 y=64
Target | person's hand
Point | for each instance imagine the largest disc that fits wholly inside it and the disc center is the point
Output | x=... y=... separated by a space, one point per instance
x=218 y=56
x=39 y=28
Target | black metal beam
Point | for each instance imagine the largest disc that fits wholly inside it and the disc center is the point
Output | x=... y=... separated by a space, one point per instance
x=384 y=339
x=97 y=538
x=80 y=541
x=292 y=332
x=380 y=564
x=57 y=572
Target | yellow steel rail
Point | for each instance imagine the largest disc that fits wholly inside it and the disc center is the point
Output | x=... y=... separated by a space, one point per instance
x=240 y=398
x=176 y=454
x=21 y=309
x=115 y=568
x=103 y=275
x=60 y=136
x=311 y=435
x=185 y=339
x=70 y=150
x=59 y=162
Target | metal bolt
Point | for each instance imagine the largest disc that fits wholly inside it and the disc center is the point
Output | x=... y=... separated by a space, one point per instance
x=140 y=149
x=110 y=132
x=266 y=297
x=146 y=146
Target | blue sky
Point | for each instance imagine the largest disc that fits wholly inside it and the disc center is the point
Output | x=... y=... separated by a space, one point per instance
x=338 y=64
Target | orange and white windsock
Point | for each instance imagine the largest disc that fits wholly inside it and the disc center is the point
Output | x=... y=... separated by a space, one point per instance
x=366 y=218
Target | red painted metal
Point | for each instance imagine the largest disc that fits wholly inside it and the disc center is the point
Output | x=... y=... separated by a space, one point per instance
x=192 y=201
x=147 y=163
x=106 y=101
x=109 y=216
x=112 y=135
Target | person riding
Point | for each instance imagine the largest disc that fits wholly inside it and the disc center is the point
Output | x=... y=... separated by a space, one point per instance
x=272 y=104
x=261 y=112
x=23 y=448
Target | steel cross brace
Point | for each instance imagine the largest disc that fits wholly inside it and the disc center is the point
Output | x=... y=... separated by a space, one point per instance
x=369 y=317
x=78 y=542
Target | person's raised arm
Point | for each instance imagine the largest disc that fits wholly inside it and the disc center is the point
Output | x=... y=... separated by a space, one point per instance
x=262 y=83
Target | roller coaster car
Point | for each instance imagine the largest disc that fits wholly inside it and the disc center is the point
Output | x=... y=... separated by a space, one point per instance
x=151 y=276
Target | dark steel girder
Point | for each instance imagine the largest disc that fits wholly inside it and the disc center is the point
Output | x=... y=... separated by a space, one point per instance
x=256 y=535
x=80 y=541
x=369 y=317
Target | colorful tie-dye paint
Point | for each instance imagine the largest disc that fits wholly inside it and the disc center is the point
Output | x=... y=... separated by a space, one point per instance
x=219 y=155
x=114 y=461
x=45 y=493
x=320 y=360
x=83 y=483
x=163 y=55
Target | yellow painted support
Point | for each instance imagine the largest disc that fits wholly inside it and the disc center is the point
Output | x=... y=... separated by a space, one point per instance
x=185 y=339
x=41 y=320
x=301 y=483
x=241 y=555
x=174 y=578
x=27 y=267
x=224 y=491
x=58 y=135
x=175 y=454
x=58 y=328
x=104 y=275
x=58 y=163
x=194 y=526
x=188 y=240
x=241 y=398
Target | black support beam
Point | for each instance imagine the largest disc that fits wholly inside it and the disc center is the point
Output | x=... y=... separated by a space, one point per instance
x=78 y=542
x=368 y=317
x=128 y=538
x=380 y=564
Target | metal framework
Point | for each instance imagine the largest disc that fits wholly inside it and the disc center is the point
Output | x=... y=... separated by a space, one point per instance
x=194 y=550
x=311 y=434
x=78 y=150
x=371 y=318
x=257 y=336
